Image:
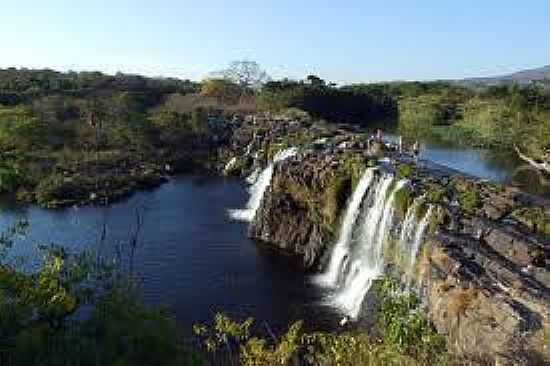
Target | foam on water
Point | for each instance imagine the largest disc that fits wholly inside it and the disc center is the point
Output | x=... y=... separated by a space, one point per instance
x=259 y=187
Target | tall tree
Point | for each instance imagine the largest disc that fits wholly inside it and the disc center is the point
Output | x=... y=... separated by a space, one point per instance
x=247 y=75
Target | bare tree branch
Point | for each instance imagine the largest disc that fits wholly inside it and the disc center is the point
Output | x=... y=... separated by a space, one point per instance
x=544 y=166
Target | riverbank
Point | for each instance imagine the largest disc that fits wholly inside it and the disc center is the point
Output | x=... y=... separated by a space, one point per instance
x=107 y=177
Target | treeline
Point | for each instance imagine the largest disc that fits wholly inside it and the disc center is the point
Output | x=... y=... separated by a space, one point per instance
x=72 y=131
x=23 y=85
x=352 y=104
x=48 y=110
x=67 y=134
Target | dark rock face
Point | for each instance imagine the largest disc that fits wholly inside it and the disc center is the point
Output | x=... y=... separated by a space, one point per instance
x=301 y=209
x=283 y=222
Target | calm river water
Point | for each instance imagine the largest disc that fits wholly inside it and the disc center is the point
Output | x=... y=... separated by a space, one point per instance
x=191 y=256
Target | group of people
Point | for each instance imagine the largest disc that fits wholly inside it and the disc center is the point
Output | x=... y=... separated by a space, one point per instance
x=379 y=137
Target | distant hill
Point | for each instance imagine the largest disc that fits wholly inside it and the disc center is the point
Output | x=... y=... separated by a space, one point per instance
x=520 y=77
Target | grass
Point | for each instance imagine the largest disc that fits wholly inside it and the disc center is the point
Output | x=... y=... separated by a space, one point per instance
x=534 y=218
x=403 y=199
x=470 y=201
x=405 y=171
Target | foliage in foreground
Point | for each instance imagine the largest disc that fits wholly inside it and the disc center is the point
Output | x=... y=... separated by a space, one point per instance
x=407 y=339
x=78 y=310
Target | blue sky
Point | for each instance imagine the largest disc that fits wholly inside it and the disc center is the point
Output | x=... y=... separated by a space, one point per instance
x=343 y=41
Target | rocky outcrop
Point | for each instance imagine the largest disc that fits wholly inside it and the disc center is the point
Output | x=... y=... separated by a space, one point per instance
x=484 y=269
x=300 y=211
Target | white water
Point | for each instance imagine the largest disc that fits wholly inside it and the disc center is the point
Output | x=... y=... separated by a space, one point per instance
x=253 y=177
x=359 y=259
x=367 y=260
x=412 y=234
x=409 y=227
x=249 y=148
x=418 y=239
x=341 y=249
x=260 y=185
x=230 y=164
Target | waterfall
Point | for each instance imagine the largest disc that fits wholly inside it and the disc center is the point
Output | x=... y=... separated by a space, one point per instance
x=249 y=148
x=418 y=239
x=253 y=177
x=341 y=248
x=260 y=185
x=367 y=258
x=230 y=164
x=412 y=234
x=409 y=225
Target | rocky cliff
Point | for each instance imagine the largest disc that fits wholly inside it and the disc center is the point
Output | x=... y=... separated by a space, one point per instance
x=483 y=270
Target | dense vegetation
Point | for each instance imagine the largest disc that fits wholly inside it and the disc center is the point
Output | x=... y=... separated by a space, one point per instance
x=499 y=117
x=352 y=104
x=22 y=85
x=66 y=135
x=70 y=138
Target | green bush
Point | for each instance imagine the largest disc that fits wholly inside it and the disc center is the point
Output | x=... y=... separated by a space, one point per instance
x=37 y=327
x=10 y=178
x=435 y=193
x=295 y=114
x=403 y=199
x=470 y=201
x=403 y=325
x=405 y=171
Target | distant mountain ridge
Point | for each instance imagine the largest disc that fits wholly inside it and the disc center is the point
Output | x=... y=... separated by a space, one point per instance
x=520 y=77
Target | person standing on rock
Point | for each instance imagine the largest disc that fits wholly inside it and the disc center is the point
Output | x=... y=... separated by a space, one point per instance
x=416 y=150
x=379 y=135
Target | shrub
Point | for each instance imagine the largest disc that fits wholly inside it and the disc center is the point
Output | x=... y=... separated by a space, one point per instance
x=403 y=200
x=436 y=193
x=295 y=114
x=405 y=171
x=10 y=178
x=404 y=326
x=470 y=201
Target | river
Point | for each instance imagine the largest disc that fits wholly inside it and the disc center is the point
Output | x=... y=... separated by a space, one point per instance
x=497 y=166
x=191 y=256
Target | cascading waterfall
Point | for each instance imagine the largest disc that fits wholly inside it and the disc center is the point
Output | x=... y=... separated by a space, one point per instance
x=367 y=260
x=260 y=185
x=409 y=226
x=359 y=255
x=412 y=235
x=342 y=247
x=249 y=147
x=418 y=238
